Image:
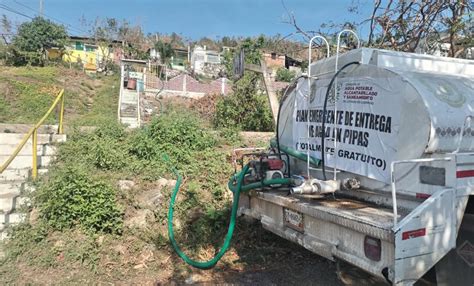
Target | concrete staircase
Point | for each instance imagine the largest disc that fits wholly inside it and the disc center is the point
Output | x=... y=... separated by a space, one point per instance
x=129 y=108
x=14 y=181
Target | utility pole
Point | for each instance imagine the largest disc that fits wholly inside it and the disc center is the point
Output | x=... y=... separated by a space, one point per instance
x=271 y=93
x=41 y=8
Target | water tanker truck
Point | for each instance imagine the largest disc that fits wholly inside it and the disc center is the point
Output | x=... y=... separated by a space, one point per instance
x=373 y=165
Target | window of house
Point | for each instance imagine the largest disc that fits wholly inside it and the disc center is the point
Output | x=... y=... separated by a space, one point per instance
x=90 y=48
x=199 y=57
x=274 y=56
x=212 y=58
x=79 y=46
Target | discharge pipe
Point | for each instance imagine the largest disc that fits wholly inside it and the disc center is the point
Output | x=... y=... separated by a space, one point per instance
x=315 y=186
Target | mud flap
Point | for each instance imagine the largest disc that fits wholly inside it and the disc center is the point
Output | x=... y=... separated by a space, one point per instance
x=424 y=237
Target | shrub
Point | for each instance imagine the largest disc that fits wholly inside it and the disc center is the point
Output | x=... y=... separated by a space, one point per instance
x=177 y=135
x=284 y=74
x=107 y=154
x=74 y=198
x=248 y=113
x=231 y=135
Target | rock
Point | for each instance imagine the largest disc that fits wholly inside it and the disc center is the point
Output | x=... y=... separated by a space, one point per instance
x=165 y=183
x=120 y=249
x=34 y=216
x=189 y=280
x=59 y=245
x=151 y=198
x=193 y=279
x=139 y=220
x=126 y=185
x=100 y=240
x=162 y=182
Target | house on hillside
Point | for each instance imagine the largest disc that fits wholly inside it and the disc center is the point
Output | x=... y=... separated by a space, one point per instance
x=441 y=46
x=206 y=62
x=275 y=61
x=91 y=55
x=178 y=62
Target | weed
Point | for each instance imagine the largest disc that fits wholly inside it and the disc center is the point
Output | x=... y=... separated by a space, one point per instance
x=4 y=110
x=231 y=134
x=178 y=135
x=72 y=198
x=23 y=236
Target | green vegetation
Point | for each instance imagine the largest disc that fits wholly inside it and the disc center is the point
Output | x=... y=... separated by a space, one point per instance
x=165 y=50
x=72 y=197
x=246 y=108
x=284 y=74
x=28 y=92
x=79 y=195
x=34 y=38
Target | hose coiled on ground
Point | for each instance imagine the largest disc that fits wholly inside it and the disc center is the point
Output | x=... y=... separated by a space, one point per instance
x=236 y=189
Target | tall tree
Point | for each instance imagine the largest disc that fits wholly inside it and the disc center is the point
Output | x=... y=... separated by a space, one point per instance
x=411 y=25
x=165 y=50
x=105 y=33
x=246 y=107
x=35 y=37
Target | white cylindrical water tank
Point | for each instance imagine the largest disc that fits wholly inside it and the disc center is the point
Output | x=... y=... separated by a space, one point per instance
x=390 y=106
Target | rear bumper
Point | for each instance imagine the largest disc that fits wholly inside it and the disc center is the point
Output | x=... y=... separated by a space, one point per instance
x=329 y=231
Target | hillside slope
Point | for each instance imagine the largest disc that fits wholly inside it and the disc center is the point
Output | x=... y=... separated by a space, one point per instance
x=27 y=92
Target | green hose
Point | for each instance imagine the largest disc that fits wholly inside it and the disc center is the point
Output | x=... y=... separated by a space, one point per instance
x=295 y=153
x=236 y=189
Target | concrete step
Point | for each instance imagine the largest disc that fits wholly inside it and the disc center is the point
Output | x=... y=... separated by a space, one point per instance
x=25 y=161
x=14 y=175
x=130 y=121
x=25 y=128
x=16 y=218
x=10 y=219
x=43 y=149
x=129 y=97
x=129 y=113
x=11 y=175
x=8 y=202
x=128 y=110
x=10 y=187
x=15 y=138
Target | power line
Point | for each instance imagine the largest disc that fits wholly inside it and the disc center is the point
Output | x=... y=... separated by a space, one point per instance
x=5 y=7
x=50 y=17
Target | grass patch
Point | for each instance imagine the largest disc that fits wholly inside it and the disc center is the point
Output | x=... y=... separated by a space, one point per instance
x=28 y=92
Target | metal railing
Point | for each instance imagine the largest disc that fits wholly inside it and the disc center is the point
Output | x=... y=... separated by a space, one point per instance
x=34 y=134
x=393 y=179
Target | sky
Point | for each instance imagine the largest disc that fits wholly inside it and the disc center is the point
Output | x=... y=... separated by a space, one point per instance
x=194 y=19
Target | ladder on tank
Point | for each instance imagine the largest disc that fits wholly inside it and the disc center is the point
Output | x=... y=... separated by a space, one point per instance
x=308 y=96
